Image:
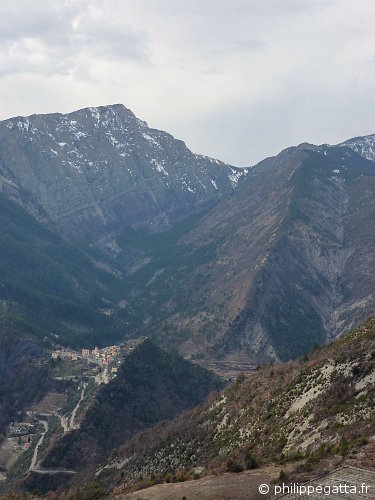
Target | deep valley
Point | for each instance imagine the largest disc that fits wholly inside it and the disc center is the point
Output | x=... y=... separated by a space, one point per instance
x=138 y=279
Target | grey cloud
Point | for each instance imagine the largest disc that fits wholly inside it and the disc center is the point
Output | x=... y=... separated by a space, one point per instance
x=271 y=8
x=52 y=26
x=114 y=40
x=42 y=20
x=250 y=45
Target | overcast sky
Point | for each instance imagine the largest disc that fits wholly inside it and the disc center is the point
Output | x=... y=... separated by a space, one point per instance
x=238 y=80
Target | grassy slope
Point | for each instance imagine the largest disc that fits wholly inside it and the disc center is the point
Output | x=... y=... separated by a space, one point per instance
x=320 y=408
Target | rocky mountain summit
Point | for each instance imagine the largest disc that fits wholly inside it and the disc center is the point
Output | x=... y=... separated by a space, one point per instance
x=96 y=170
x=222 y=263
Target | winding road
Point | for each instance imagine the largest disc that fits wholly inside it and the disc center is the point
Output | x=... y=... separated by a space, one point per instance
x=74 y=412
x=64 y=423
x=67 y=425
x=33 y=464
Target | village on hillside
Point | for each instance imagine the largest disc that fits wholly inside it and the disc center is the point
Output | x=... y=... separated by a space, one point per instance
x=105 y=356
x=80 y=374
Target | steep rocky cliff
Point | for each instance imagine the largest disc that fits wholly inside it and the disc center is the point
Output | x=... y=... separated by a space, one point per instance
x=96 y=170
x=283 y=264
x=314 y=278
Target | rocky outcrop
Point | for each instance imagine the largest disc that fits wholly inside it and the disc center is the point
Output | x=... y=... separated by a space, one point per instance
x=97 y=170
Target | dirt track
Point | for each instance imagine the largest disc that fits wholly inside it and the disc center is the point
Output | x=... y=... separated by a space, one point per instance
x=228 y=486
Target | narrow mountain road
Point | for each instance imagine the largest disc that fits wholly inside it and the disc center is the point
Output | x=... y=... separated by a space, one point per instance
x=33 y=463
x=74 y=412
x=54 y=471
x=67 y=425
x=64 y=423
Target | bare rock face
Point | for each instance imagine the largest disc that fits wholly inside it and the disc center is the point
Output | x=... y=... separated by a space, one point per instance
x=290 y=262
x=96 y=170
x=312 y=279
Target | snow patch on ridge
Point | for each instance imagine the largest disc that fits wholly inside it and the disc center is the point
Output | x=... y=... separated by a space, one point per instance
x=365 y=146
x=159 y=167
x=235 y=175
x=24 y=125
x=151 y=140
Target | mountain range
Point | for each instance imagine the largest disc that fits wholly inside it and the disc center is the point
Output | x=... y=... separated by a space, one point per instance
x=111 y=231
x=230 y=266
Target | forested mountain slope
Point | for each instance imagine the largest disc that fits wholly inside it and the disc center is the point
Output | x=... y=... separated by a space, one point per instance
x=59 y=289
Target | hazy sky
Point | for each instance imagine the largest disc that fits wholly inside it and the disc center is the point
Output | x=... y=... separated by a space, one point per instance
x=236 y=79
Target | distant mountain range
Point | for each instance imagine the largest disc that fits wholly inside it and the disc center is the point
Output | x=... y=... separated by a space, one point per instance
x=140 y=236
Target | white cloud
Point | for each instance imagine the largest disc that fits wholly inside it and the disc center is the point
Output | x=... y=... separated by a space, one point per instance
x=237 y=80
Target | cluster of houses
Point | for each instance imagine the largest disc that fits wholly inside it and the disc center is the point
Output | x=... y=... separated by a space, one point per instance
x=20 y=433
x=65 y=354
x=20 y=428
x=104 y=356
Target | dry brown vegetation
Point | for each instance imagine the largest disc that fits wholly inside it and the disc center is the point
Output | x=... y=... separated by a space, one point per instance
x=306 y=416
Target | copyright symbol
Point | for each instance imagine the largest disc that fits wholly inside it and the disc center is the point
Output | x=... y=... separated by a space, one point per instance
x=264 y=489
